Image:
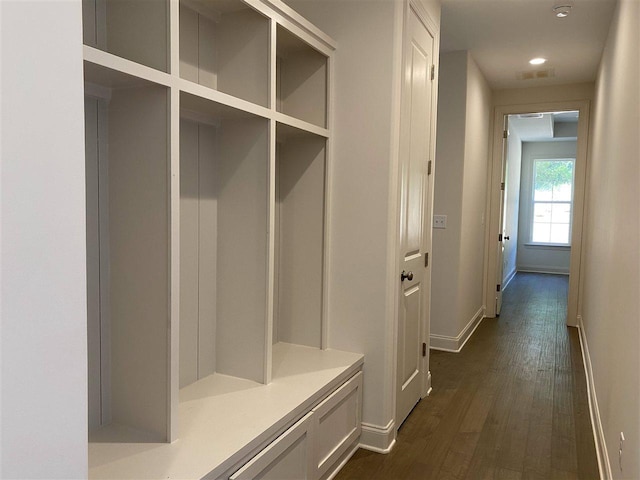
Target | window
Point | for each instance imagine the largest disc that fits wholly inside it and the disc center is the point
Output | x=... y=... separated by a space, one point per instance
x=552 y=201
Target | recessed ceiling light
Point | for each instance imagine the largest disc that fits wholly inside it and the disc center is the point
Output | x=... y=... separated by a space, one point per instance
x=562 y=11
x=537 y=61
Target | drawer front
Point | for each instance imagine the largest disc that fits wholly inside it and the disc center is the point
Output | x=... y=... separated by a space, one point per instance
x=289 y=457
x=337 y=424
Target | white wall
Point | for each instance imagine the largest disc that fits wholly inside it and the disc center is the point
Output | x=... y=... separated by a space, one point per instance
x=537 y=258
x=611 y=287
x=555 y=93
x=43 y=319
x=460 y=192
x=450 y=150
x=512 y=206
x=365 y=73
x=476 y=163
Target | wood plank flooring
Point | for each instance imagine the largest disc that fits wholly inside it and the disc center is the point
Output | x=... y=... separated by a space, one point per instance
x=512 y=405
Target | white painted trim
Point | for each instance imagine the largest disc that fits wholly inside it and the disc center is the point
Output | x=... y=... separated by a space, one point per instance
x=344 y=461
x=393 y=222
x=402 y=43
x=547 y=246
x=509 y=277
x=604 y=466
x=271 y=255
x=119 y=64
x=300 y=124
x=425 y=18
x=378 y=439
x=328 y=175
x=173 y=260
x=296 y=23
x=208 y=94
x=455 y=344
x=493 y=196
x=548 y=269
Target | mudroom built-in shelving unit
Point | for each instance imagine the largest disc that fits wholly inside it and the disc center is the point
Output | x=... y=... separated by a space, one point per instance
x=207 y=128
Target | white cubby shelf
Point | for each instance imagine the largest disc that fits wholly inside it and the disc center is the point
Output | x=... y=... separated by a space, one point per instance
x=244 y=415
x=301 y=79
x=224 y=45
x=207 y=131
x=134 y=30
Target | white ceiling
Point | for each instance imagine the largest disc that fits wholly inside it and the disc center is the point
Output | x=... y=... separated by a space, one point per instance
x=545 y=127
x=503 y=35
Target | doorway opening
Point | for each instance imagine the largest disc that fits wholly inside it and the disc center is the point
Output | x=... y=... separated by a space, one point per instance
x=538 y=193
x=537 y=198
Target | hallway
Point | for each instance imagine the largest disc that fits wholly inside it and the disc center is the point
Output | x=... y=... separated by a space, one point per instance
x=512 y=405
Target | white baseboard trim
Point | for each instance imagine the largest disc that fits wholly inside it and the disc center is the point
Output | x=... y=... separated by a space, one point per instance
x=543 y=269
x=508 y=279
x=377 y=438
x=598 y=433
x=455 y=344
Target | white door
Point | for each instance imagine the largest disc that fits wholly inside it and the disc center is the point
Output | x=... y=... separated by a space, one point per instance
x=415 y=213
x=501 y=225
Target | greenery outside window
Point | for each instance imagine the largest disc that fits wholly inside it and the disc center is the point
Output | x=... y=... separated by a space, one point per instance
x=552 y=201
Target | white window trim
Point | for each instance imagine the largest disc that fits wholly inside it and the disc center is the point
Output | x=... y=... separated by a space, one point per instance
x=532 y=202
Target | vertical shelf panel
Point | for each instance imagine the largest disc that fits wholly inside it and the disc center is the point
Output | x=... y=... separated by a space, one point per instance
x=208 y=249
x=224 y=162
x=301 y=79
x=189 y=252
x=127 y=190
x=97 y=255
x=174 y=240
x=138 y=223
x=242 y=248
x=198 y=232
x=300 y=200
x=225 y=46
x=93 y=261
x=133 y=29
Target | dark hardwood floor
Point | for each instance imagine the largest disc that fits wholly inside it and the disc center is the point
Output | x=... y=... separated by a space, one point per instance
x=512 y=405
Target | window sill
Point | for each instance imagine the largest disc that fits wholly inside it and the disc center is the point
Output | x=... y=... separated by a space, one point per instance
x=551 y=246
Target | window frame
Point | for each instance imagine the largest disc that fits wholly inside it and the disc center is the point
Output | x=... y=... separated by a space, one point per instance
x=533 y=201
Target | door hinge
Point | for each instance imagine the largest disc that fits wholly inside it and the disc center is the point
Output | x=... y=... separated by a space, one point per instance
x=502 y=186
x=498 y=287
x=433 y=72
x=429 y=167
x=505 y=134
x=499 y=237
x=424 y=350
x=426 y=259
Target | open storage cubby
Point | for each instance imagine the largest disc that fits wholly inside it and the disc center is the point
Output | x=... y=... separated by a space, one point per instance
x=224 y=45
x=206 y=198
x=299 y=236
x=223 y=241
x=127 y=145
x=301 y=79
x=133 y=29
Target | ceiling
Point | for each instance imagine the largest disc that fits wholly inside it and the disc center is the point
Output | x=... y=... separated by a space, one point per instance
x=503 y=35
x=545 y=127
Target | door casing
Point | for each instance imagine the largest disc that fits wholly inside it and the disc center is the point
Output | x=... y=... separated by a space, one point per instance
x=494 y=206
x=393 y=279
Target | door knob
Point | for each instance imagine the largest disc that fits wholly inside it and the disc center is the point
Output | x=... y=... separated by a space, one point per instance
x=404 y=275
